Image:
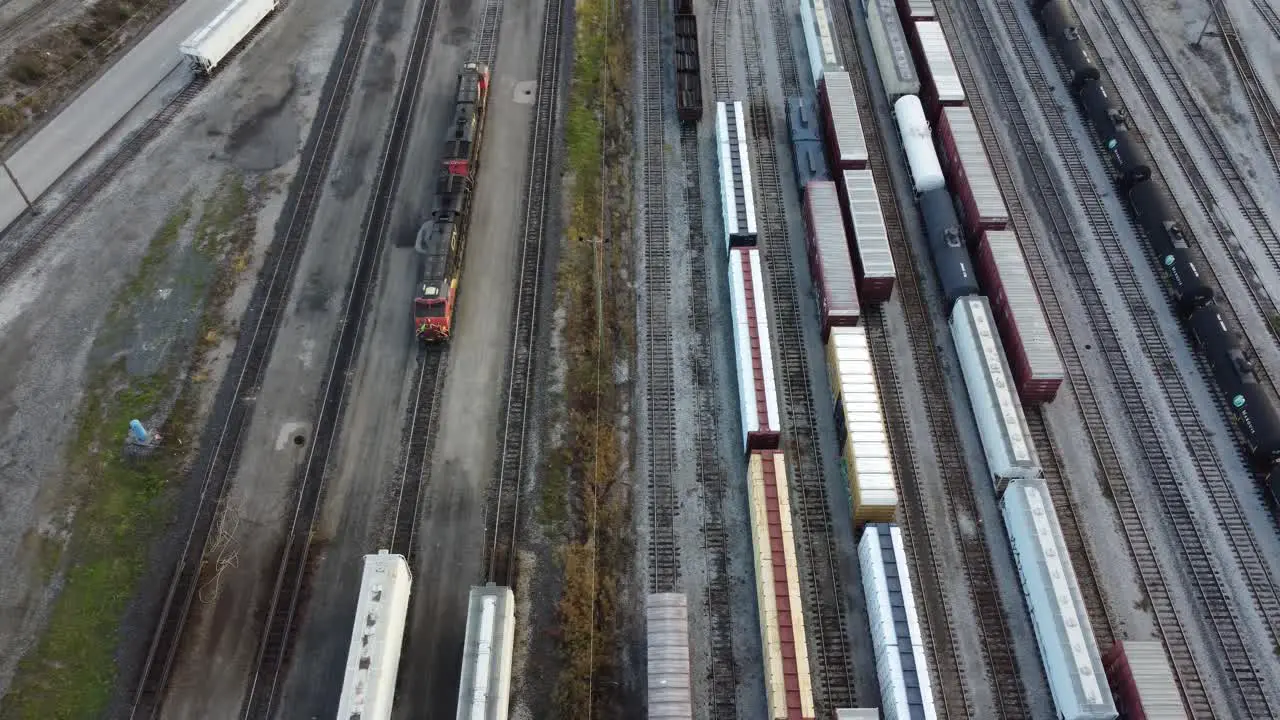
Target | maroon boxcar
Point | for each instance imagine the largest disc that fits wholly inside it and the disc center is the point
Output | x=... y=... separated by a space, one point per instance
x=1033 y=355
x=969 y=173
x=829 y=261
x=1142 y=682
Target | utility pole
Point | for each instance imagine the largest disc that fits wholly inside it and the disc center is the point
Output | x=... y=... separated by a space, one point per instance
x=25 y=199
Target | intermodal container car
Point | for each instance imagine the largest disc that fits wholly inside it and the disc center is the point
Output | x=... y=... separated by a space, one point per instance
x=1033 y=354
x=828 y=249
x=753 y=351
x=788 y=686
x=964 y=160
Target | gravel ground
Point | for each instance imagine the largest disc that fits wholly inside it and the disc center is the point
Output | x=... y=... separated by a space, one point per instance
x=62 y=297
x=1145 y=374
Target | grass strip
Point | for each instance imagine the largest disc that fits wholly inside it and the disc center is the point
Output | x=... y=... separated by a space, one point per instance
x=122 y=500
x=583 y=492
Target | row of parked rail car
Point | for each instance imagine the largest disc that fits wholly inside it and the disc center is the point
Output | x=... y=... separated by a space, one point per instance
x=1254 y=414
x=951 y=170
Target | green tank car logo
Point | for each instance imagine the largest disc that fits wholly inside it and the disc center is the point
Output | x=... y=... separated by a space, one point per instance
x=1168 y=259
x=1238 y=401
x=1111 y=144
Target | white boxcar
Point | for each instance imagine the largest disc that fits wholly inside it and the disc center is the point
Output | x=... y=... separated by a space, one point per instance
x=753 y=352
x=864 y=443
x=737 y=199
x=906 y=692
x=373 y=656
x=844 y=126
x=893 y=54
x=857 y=714
x=1006 y=438
x=670 y=688
x=876 y=273
x=209 y=45
x=819 y=41
x=1068 y=650
x=938 y=77
x=484 y=688
x=917 y=141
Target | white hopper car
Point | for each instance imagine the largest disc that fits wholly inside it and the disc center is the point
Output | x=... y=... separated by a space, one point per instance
x=893 y=53
x=1068 y=651
x=1006 y=438
x=369 y=684
x=210 y=45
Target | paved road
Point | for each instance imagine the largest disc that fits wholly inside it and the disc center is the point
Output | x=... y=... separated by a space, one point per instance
x=44 y=158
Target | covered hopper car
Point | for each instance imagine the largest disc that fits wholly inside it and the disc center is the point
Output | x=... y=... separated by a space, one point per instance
x=207 y=47
x=441 y=242
x=373 y=656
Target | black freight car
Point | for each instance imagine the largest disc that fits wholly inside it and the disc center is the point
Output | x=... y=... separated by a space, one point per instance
x=1113 y=128
x=806 y=143
x=1157 y=215
x=1062 y=28
x=951 y=258
x=688 y=67
x=1253 y=413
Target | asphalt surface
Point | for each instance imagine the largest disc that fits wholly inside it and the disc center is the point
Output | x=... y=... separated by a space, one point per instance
x=60 y=145
x=452 y=532
x=225 y=624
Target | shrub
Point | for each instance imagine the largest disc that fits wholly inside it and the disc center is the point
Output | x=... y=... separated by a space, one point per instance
x=29 y=68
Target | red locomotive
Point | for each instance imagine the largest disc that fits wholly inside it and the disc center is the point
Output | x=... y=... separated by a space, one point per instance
x=443 y=238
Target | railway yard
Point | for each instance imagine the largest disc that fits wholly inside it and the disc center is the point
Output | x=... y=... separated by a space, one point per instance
x=751 y=359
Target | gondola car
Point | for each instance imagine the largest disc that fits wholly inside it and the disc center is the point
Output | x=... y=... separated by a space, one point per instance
x=1157 y=215
x=1114 y=129
x=442 y=239
x=1062 y=28
x=1251 y=410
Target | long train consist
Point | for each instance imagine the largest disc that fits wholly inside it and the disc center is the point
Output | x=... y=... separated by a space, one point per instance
x=1253 y=413
x=442 y=240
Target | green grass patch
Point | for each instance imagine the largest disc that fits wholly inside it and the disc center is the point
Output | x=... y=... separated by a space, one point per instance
x=121 y=498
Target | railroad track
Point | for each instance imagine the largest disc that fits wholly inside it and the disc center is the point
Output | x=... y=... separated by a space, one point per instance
x=1007 y=691
x=1269 y=16
x=660 y=389
x=1243 y=266
x=248 y=365
x=1208 y=138
x=525 y=325
x=1206 y=580
x=1260 y=103
x=819 y=565
x=273 y=649
x=1219 y=488
x=419 y=441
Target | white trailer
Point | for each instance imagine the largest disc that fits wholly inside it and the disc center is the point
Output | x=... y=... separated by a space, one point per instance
x=1006 y=438
x=210 y=45
x=369 y=684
